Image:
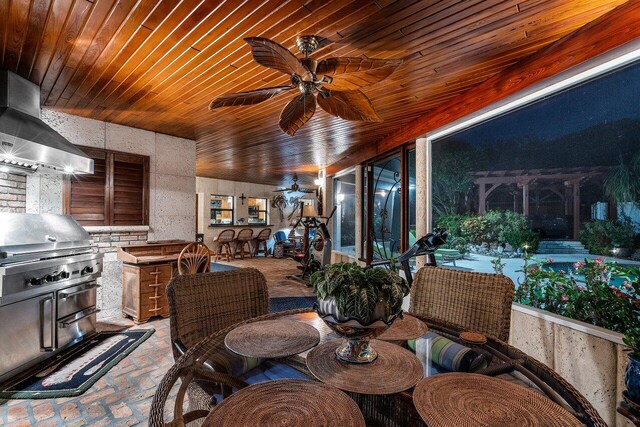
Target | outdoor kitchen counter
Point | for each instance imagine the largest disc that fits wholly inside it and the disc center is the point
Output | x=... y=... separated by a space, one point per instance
x=146 y=270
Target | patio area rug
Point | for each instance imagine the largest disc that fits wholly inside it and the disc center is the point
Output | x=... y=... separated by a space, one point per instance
x=74 y=371
x=290 y=303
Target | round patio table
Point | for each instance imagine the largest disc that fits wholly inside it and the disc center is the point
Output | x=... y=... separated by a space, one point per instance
x=195 y=371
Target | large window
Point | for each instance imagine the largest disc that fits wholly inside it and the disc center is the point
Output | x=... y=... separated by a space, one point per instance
x=257 y=210
x=116 y=194
x=344 y=222
x=221 y=210
x=553 y=176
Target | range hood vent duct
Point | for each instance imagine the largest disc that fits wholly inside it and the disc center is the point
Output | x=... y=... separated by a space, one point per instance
x=27 y=143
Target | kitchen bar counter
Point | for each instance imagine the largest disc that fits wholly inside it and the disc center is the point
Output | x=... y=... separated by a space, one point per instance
x=242 y=226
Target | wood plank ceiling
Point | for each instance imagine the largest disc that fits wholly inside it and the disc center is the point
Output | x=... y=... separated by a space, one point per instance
x=156 y=64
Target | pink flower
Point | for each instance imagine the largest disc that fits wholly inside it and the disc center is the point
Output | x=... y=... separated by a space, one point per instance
x=550 y=260
x=565 y=298
x=579 y=264
x=581 y=288
x=599 y=260
x=613 y=288
x=533 y=269
x=562 y=272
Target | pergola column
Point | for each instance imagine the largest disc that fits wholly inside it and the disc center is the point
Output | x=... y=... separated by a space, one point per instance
x=482 y=196
x=576 y=209
x=525 y=199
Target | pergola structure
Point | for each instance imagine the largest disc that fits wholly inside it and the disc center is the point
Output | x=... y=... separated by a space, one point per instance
x=565 y=182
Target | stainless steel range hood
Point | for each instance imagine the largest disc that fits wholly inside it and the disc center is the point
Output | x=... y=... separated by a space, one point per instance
x=26 y=142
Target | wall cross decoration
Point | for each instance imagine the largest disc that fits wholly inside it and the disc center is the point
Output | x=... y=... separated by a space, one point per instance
x=242 y=198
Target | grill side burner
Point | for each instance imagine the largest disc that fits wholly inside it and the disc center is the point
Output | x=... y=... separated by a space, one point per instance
x=48 y=274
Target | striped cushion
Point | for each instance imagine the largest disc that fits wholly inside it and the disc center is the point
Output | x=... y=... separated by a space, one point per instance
x=446 y=354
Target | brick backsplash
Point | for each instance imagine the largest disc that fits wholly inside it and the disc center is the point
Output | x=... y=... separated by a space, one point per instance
x=13 y=193
x=110 y=242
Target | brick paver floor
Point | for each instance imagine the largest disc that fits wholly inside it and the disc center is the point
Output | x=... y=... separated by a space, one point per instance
x=123 y=396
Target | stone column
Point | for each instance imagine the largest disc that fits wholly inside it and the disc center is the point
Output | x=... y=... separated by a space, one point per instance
x=359 y=211
x=423 y=190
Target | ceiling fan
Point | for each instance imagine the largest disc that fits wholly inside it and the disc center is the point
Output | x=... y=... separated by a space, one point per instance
x=334 y=83
x=295 y=188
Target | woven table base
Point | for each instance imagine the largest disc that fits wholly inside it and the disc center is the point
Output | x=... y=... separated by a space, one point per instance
x=407 y=328
x=272 y=338
x=286 y=403
x=458 y=399
x=395 y=369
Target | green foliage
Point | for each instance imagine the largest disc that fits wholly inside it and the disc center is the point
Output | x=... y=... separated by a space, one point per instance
x=475 y=229
x=452 y=223
x=623 y=181
x=501 y=223
x=358 y=290
x=518 y=239
x=453 y=179
x=601 y=236
x=596 y=300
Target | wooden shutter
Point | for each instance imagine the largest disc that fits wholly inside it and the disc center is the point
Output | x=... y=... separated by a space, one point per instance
x=116 y=194
x=86 y=196
x=129 y=189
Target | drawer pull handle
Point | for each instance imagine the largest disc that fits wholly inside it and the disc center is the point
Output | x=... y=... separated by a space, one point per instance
x=155 y=273
x=155 y=309
x=65 y=295
x=155 y=285
x=158 y=297
x=67 y=323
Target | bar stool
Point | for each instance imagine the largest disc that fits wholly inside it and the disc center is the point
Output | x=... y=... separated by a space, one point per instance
x=242 y=239
x=261 y=239
x=224 y=240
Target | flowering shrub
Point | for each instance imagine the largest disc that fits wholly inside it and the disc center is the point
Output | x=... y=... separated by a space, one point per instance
x=595 y=300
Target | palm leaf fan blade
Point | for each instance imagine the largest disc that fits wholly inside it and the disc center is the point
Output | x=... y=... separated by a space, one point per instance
x=348 y=105
x=296 y=113
x=247 y=98
x=273 y=55
x=353 y=73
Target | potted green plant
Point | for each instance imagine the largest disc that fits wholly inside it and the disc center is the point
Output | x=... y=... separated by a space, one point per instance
x=359 y=304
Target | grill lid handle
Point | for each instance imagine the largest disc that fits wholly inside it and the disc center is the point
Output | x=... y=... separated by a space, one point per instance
x=51 y=238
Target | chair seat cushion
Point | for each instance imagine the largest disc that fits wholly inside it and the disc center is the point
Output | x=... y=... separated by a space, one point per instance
x=446 y=355
x=233 y=363
x=267 y=371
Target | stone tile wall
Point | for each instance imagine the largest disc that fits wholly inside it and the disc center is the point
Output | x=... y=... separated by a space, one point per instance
x=592 y=364
x=13 y=193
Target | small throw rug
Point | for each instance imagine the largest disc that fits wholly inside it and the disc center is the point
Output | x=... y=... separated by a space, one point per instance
x=290 y=303
x=74 y=371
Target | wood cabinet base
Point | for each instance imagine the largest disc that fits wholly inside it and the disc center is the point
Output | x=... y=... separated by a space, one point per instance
x=143 y=293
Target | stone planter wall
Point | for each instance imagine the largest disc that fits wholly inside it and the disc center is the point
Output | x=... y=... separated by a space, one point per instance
x=590 y=358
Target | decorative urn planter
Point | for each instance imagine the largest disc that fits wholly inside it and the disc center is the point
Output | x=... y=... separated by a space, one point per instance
x=632 y=378
x=355 y=346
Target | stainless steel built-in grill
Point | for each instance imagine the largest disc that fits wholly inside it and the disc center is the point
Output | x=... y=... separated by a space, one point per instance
x=48 y=274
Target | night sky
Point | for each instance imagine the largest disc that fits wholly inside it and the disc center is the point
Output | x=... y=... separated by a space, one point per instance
x=608 y=98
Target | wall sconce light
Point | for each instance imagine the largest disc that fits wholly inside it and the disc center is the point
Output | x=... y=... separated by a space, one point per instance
x=339 y=197
x=317 y=182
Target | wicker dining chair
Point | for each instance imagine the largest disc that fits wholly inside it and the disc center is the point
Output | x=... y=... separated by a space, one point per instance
x=243 y=239
x=261 y=240
x=224 y=240
x=202 y=304
x=194 y=258
x=475 y=301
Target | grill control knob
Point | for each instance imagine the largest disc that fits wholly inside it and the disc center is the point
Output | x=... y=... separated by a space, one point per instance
x=64 y=274
x=52 y=277
x=34 y=281
x=87 y=270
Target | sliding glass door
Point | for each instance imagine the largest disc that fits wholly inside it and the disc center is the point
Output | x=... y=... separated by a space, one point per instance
x=389 y=205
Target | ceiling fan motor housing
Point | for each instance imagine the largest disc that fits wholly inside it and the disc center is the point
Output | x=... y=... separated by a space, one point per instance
x=307 y=44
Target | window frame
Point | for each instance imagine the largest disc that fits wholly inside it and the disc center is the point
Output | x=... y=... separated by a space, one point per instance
x=109 y=186
x=258 y=211
x=232 y=210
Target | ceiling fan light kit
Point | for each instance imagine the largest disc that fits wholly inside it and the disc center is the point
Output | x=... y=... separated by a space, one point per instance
x=333 y=83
